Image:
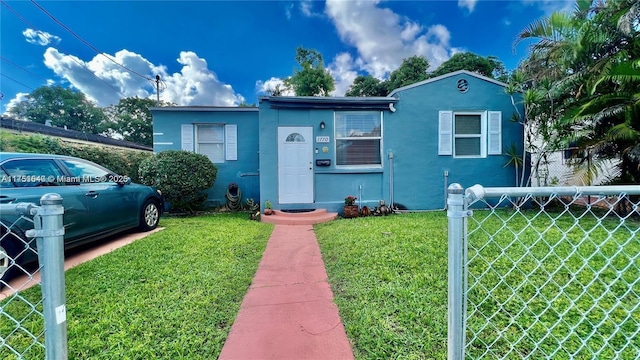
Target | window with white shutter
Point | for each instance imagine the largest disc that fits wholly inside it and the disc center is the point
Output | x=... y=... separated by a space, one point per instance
x=469 y=134
x=495 y=133
x=445 y=133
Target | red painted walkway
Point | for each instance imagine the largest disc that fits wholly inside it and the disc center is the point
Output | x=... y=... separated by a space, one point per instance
x=288 y=312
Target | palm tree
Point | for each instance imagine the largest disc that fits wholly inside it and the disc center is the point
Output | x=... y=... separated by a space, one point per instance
x=591 y=58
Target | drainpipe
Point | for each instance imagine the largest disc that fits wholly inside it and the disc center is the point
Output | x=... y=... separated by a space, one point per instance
x=391 y=205
x=446 y=186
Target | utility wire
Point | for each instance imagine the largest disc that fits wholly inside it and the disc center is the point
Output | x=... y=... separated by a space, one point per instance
x=87 y=43
x=18 y=82
x=83 y=66
x=21 y=67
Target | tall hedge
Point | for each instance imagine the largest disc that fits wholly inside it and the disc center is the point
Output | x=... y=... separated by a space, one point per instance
x=121 y=161
x=182 y=176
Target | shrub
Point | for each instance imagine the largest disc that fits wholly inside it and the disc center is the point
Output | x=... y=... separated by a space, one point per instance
x=182 y=177
x=120 y=161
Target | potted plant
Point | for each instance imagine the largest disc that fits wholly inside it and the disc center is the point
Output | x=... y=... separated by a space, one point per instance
x=350 y=207
x=267 y=208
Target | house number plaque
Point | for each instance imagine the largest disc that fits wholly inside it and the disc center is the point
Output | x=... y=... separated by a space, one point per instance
x=322 y=139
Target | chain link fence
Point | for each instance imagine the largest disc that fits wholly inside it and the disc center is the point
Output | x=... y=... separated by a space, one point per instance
x=32 y=321
x=570 y=167
x=544 y=273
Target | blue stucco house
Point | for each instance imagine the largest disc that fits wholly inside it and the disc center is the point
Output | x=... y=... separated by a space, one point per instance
x=311 y=152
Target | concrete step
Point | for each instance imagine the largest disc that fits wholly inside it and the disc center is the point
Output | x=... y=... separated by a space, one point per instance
x=301 y=218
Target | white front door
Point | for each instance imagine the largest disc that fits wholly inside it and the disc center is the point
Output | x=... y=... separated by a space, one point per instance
x=295 y=165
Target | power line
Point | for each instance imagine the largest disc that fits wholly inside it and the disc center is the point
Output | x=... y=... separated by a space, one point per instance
x=21 y=67
x=87 y=43
x=18 y=82
x=83 y=66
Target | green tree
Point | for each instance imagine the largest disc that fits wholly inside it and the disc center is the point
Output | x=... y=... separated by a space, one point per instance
x=367 y=86
x=412 y=70
x=591 y=59
x=489 y=66
x=131 y=118
x=64 y=107
x=312 y=79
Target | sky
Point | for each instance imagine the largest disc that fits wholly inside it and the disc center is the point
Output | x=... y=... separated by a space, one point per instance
x=224 y=53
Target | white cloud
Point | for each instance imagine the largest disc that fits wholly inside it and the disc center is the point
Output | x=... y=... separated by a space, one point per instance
x=468 y=4
x=342 y=70
x=306 y=7
x=264 y=87
x=40 y=37
x=195 y=84
x=15 y=101
x=383 y=38
x=287 y=11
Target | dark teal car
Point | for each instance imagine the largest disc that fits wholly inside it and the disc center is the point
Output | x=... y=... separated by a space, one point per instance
x=97 y=202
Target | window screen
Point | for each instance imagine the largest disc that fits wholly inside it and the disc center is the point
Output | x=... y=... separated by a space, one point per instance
x=358 y=138
x=210 y=142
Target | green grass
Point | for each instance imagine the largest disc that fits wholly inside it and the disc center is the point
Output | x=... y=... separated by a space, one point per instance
x=175 y=294
x=570 y=285
x=389 y=278
x=171 y=295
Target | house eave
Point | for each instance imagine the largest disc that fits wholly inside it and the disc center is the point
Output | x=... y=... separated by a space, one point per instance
x=338 y=103
x=204 y=109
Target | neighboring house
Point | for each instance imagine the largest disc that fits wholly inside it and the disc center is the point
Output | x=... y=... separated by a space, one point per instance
x=31 y=127
x=311 y=152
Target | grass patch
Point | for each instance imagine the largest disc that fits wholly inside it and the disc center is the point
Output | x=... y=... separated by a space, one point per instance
x=531 y=292
x=558 y=284
x=389 y=278
x=171 y=295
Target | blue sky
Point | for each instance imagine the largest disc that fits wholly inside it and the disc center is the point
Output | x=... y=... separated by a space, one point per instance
x=227 y=52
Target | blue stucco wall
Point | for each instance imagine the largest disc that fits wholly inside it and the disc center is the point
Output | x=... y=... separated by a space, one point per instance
x=331 y=184
x=411 y=133
x=167 y=123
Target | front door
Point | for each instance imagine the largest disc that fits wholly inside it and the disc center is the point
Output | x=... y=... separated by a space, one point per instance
x=295 y=165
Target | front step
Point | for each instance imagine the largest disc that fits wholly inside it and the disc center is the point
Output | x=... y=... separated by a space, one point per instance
x=302 y=218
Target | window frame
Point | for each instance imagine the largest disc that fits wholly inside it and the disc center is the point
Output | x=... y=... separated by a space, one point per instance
x=222 y=142
x=482 y=135
x=379 y=138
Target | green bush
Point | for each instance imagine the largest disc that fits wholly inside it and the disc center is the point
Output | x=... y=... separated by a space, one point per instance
x=182 y=177
x=120 y=161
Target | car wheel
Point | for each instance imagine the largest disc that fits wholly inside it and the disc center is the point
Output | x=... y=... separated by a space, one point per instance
x=149 y=215
x=9 y=257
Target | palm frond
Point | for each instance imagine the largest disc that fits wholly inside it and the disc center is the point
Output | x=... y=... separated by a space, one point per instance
x=624 y=132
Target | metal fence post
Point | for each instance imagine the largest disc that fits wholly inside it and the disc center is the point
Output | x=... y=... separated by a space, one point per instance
x=49 y=231
x=455 y=214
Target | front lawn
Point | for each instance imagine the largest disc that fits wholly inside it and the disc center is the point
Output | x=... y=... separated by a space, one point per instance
x=171 y=295
x=389 y=278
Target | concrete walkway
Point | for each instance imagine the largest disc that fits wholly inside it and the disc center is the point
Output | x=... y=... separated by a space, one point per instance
x=288 y=312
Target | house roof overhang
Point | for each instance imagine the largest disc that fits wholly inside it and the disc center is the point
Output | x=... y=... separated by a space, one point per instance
x=336 y=103
x=205 y=109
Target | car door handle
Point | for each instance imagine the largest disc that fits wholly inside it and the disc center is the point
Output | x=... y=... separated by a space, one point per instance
x=92 y=194
x=6 y=199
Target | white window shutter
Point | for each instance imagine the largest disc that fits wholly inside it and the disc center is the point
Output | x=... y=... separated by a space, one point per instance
x=495 y=133
x=231 y=142
x=186 y=137
x=445 y=133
